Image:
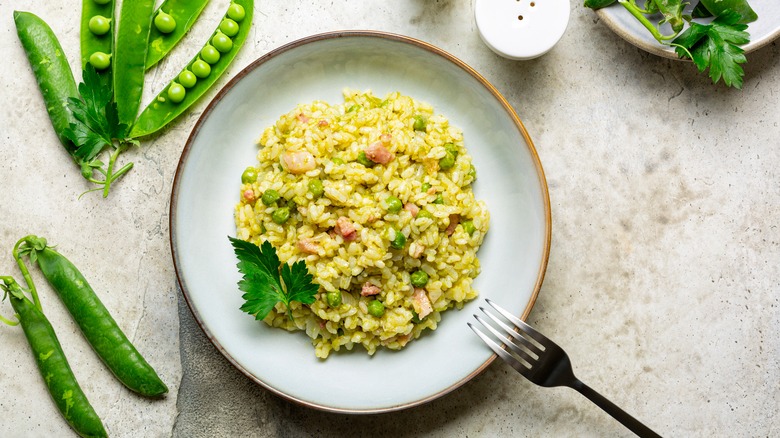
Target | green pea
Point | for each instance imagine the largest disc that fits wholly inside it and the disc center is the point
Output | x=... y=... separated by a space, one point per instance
x=187 y=78
x=210 y=54
x=364 y=160
x=270 y=196
x=451 y=148
x=376 y=308
x=333 y=298
x=425 y=214
x=99 y=25
x=228 y=27
x=394 y=205
x=472 y=172
x=176 y=92
x=399 y=240
x=222 y=42
x=447 y=162
x=337 y=161
x=419 y=278
x=201 y=68
x=165 y=23
x=100 y=60
x=439 y=199
x=419 y=123
x=468 y=226
x=249 y=175
x=425 y=187
x=236 y=12
x=281 y=215
x=316 y=188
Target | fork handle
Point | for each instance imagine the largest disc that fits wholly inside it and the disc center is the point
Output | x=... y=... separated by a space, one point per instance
x=612 y=409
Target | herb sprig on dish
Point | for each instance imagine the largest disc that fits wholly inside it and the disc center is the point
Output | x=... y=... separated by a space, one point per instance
x=266 y=281
x=713 y=46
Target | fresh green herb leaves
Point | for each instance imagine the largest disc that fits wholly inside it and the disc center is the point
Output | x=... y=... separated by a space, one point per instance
x=716 y=46
x=96 y=129
x=265 y=283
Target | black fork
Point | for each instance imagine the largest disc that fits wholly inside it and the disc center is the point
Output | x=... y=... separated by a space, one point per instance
x=544 y=363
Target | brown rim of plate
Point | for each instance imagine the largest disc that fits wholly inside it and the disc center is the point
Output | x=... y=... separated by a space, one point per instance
x=347 y=34
x=665 y=51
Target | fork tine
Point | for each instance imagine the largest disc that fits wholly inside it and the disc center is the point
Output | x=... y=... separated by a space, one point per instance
x=508 y=342
x=520 y=323
x=503 y=354
x=533 y=348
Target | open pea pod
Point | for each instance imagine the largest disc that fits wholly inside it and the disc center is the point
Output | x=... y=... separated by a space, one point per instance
x=171 y=21
x=129 y=60
x=97 y=38
x=200 y=73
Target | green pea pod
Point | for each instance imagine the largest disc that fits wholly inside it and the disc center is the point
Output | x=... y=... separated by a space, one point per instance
x=162 y=109
x=93 y=39
x=598 y=4
x=741 y=7
x=51 y=70
x=95 y=322
x=184 y=12
x=53 y=366
x=132 y=38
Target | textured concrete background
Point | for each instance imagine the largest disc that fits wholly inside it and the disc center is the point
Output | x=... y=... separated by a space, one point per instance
x=663 y=276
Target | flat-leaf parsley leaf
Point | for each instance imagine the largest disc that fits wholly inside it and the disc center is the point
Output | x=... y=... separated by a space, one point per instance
x=264 y=285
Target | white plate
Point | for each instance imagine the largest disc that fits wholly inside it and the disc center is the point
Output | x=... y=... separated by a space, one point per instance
x=206 y=189
x=762 y=31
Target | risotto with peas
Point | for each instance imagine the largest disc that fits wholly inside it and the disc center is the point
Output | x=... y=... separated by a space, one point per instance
x=375 y=195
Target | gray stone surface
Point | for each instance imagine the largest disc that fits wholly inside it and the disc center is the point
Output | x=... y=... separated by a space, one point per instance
x=663 y=277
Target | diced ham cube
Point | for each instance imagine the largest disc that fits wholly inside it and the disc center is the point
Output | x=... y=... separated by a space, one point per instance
x=412 y=208
x=378 y=153
x=303 y=118
x=298 y=162
x=308 y=246
x=454 y=221
x=421 y=303
x=370 y=289
x=346 y=229
x=249 y=195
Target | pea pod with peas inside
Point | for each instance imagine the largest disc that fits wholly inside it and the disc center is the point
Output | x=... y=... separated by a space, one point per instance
x=97 y=38
x=96 y=323
x=207 y=67
x=172 y=20
x=52 y=363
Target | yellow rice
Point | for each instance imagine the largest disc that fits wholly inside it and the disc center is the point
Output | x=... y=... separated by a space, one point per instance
x=335 y=135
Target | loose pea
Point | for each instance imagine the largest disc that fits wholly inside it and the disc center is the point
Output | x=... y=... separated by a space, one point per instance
x=468 y=226
x=99 y=25
x=176 y=92
x=201 y=68
x=164 y=22
x=399 y=240
x=447 y=162
x=281 y=215
x=419 y=123
x=337 y=161
x=100 y=60
x=451 y=148
x=249 y=175
x=439 y=199
x=394 y=204
x=270 y=196
x=236 y=12
x=187 y=78
x=364 y=160
x=425 y=214
x=376 y=308
x=472 y=172
x=419 y=278
x=316 y=188
x=333 y=298
x=222 y=42
x=210 y=54
x=229 y=27
x=425 y=187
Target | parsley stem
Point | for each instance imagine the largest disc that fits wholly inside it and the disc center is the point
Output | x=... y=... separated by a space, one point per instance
x=638 y=13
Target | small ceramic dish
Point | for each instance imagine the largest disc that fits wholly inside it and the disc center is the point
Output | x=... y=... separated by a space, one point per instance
x=206 y=189
x=762 y=31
